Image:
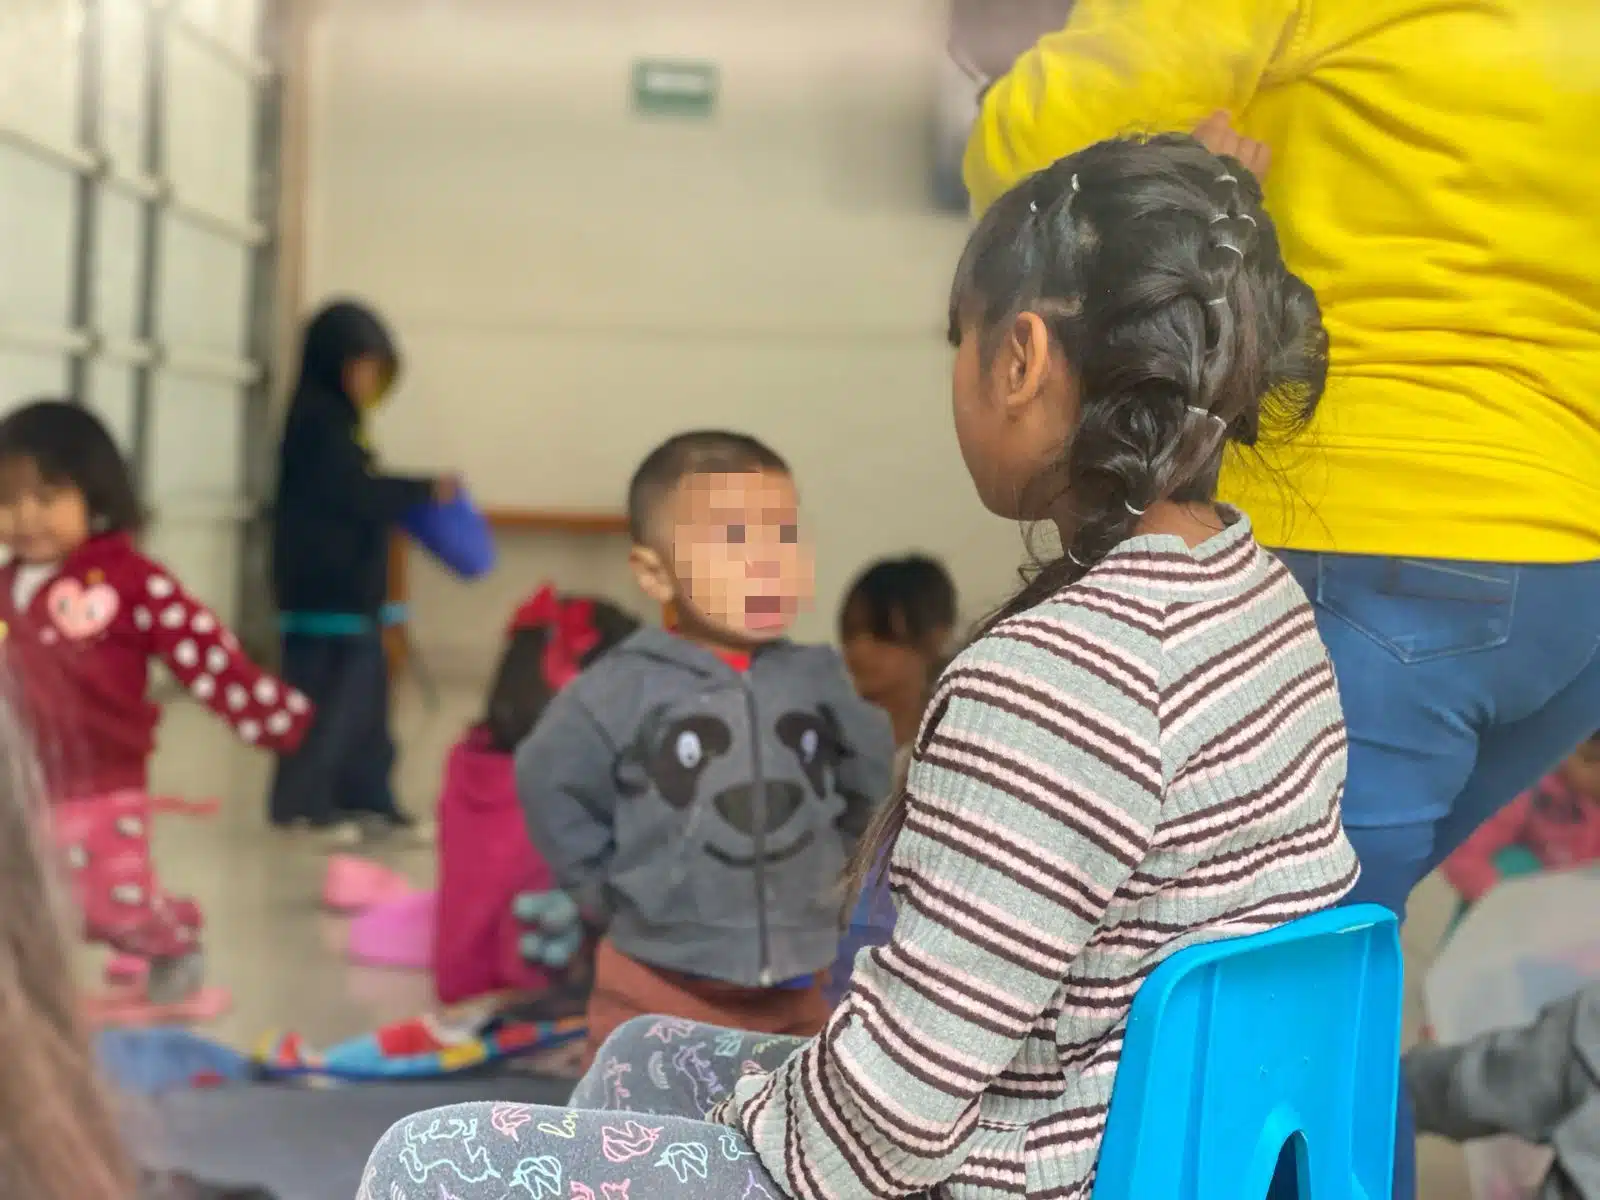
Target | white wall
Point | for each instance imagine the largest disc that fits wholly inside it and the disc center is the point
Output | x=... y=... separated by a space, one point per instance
x=572 y=283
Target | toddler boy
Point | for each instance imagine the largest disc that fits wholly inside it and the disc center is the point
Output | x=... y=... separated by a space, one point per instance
x=699 y=790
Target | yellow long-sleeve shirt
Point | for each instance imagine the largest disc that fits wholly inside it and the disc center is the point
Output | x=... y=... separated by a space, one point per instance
x=1436 y=179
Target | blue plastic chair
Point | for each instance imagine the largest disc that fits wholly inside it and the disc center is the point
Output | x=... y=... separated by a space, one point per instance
x=1263 y=1066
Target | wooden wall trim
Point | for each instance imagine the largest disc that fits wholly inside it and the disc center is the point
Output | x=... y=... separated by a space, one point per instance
x=559 y=522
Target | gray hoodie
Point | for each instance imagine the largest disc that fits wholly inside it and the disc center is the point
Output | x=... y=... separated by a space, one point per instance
x=708 y=812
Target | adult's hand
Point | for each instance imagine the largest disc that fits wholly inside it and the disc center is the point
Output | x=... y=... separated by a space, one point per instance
x=1217 y=134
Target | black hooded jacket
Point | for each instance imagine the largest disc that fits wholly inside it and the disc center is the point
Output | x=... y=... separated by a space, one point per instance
x=330 y=546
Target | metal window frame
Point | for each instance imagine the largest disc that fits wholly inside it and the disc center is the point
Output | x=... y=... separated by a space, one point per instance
x=147 y=353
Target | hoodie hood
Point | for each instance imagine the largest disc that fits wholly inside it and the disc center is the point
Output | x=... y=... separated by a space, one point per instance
x=338 y=333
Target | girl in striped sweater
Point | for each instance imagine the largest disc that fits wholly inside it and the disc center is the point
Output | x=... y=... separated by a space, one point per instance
x=1142 y=750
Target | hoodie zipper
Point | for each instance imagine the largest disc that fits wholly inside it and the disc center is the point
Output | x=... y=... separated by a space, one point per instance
x=758 y=805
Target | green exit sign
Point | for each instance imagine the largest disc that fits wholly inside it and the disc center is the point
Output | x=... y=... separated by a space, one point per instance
x=665 y=87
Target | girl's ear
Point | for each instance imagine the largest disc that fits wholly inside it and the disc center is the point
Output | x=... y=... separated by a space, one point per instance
x=1027 y=365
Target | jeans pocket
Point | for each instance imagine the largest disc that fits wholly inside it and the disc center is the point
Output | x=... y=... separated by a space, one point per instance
x=1420 y=609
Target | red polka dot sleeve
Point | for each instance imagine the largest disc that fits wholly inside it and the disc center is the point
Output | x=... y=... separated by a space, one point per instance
x=206 y=658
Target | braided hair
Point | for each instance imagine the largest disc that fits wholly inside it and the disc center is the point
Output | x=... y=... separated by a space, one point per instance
x=1158 y=275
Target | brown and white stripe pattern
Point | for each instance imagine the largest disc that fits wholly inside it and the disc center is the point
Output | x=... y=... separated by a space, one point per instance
x=1153 y=757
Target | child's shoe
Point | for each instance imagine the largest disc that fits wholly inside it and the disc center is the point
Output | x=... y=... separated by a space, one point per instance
x=343 y=833
x=171 y=981
x=401 y=825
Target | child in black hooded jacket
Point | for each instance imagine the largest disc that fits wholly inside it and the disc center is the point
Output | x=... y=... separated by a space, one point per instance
x=334 y=513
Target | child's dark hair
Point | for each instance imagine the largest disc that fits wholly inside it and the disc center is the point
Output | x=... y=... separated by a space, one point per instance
x=69 y=445
x=1158 y=275
x=340 y=332
x=699 y=452
x=909 y=601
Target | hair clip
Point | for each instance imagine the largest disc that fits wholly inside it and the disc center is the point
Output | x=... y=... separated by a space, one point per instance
x=1076 y=561
x=1196 y=410
x=1217 y=301
x=1138 y=512
x=1247 y=217
x=1074 y=181
x=1226 y=178
x=1218 y=218
x=1033 y=206
x=1231 y=246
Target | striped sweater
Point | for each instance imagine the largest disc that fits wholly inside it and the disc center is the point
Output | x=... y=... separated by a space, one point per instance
x=1152 y=757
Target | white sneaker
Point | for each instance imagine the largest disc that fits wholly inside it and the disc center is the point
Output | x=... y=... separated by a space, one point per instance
x=341 y=835
x=403 y=829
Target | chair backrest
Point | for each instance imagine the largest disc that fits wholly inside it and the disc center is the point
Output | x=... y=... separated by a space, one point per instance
x=1239 y=1052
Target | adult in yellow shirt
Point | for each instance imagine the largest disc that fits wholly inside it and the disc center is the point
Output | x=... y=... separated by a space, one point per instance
x=1436 y=179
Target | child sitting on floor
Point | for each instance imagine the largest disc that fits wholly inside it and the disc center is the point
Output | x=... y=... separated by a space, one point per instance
x=1552 y=826
x=82 y=614
x=1109 y=773
x=699 y=790
x=493 y=885
x=895 y=628
x=1540 y=1082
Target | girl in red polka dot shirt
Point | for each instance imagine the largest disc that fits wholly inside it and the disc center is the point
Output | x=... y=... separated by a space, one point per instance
x=82 y=613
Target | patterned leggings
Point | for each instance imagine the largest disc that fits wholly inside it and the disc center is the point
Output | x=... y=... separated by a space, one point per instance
x=633 y=1132
x=106 y=843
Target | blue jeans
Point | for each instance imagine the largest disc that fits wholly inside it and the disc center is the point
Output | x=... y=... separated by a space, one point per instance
x=1462 y=684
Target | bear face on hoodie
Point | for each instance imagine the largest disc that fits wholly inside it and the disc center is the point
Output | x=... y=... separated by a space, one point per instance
x=707 y=812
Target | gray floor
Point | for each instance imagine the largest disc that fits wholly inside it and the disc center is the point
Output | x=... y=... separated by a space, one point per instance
x=282 y=957
x=304 y=1145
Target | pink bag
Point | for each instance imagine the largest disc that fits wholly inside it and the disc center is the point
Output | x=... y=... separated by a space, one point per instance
x=485 y=862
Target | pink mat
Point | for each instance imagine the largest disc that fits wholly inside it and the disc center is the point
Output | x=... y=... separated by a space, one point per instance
x=398 y=933
x=355 y=884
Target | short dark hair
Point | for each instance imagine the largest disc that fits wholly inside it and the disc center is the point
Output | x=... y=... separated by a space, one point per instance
x=698 y=452
x=909 y=601
x=69 y=445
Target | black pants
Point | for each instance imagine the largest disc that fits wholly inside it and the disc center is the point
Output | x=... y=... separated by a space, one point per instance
x=343 y=767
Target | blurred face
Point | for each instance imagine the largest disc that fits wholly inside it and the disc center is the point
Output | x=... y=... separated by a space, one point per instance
x=367 y=380
x=1013 y=416
x=893 y=675
x=730 y=559
x=1582 y=768
x=42 y=521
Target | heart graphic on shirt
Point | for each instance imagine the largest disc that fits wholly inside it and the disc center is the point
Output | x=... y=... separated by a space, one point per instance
x=82 y=612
